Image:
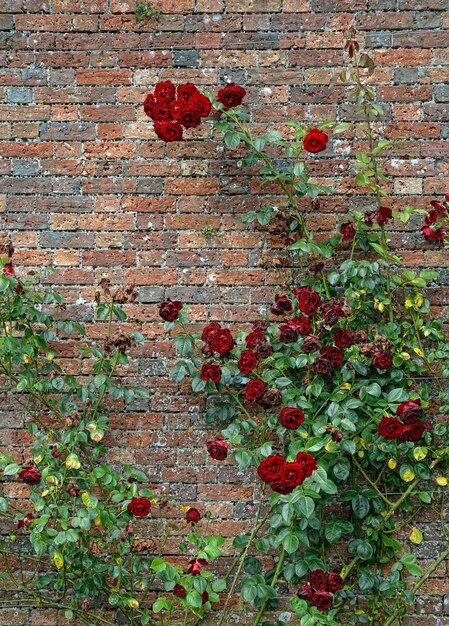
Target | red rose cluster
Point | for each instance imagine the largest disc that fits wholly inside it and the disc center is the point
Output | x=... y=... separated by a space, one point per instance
x=438 y=213
x=173 y=108
x=320 y=587
x=284 y=476
x=407 y=426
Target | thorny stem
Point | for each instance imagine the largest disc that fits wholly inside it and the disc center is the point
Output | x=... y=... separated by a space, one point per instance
x=273 y=583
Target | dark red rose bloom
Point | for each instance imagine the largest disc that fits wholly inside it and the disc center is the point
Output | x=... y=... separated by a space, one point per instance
x=297 y=291
x=260 y=325
x=431 y=235
x=139 y=507
x=305 y=592
x=54 y=452
x=179 y=591
x=390 y=428
x=264 y=349
x=282 y=304
x=291 y=417
x=271 y=468
x=431 y=218
x=9 y=270
x=382 y=360
x=168 y=131
x=413 y=431
x=334 y=354
x=322 y=600
x=254 y=338
x=309 y=344
x=175 y=105
x=383 y=214
x=218 y=449
x=410 y=411
x=211 y=371
x=193 y=516
x=254 y=389
x=205 y=597
x=222 y=341
x=169 y=310
x=293 y=475
x=272 y=397
x=331 y=313
x=318 y=580
x=336 y=435
x=30 y=475
x=195 y=566
x=289 y=333
x=281 y=487
x=322 y=366
x=347 y=231
x=438 y=206
x=309 y=302
x=247 y=361
x=201 y=104
x=334 y=582
x=307 y=463
x=302 y=324
x=315 y=141
x=209 y=331
x=188 y=116
x=149 y=104
x=186 y=91
x=162 y=112
x=26 y=521
x=343 y=338
x=368 y=218
x=231 y=96
x=165 y=90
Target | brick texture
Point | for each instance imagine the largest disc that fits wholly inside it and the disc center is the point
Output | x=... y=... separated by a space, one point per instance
x=87 y=188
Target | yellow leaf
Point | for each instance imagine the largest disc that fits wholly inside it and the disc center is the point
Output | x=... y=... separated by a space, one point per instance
x=419 y=352
x=405 y=356
x=441 y=480
x=72 y=462
x=345 y=386
x=409 y=303
x=392 y=463
x=407 y=475
x=419 y=300
x=58 y=560
x=85 y=497
x=420 y=453
x=332 y=446
x=97 y=521
x=416 y=536
x=133 y=603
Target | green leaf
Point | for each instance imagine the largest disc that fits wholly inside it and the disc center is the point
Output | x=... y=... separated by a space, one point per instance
x=360 y=506
x=231 y=139
x=291 y=543
x=193 y=598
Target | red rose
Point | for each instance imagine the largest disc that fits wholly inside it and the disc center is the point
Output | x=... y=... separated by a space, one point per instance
x=305 y=592
x=222 y=341
x=322 y=600
x=30 y=475
x=264 y=349
x=281 y=487
x=348 y=231
x=382 y=360
x=139 y=507
x=289 y=333
x=209 y=331
x=168 y=131
x=9 y=270
x=309 y=344
x=331 y=313
x=188 y=116
x=413 y=431
x=247 y=362
x=204 y=597
x=218 y=449
x=186 y=91
x=431 y=218
x=343 y=338
x=272 y=397
x=334 y=582
x=254 y=389
x=302 y=324
x=195 y=566
x=162 y=112
x=26 y=521
x=293 y=475
x=309 y=302
x=270 y=469
x=291 y=417
x=307 y=463
x=390 y=428
x=165 y=90
x=175 y=105
x=433 y=235
x=334 y=354
x=383 y=214
x=368 y=219
x=179 y=591
x=231 y=96
x=282 y=304
x=149 y=104
x=438 y=206
x=193 y=516
x=315 y=141
x=211 y=371
x=169 y=310
x=201 y=104
x=318 y=580
x=297 y=291
x=410 y=411
x=254 y=338
x=322 y=366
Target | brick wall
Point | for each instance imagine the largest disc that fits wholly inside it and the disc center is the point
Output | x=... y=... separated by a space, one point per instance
x=87 y=188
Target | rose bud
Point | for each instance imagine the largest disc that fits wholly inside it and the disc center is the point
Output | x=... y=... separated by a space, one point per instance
x=179 y=591
x=193 y=516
